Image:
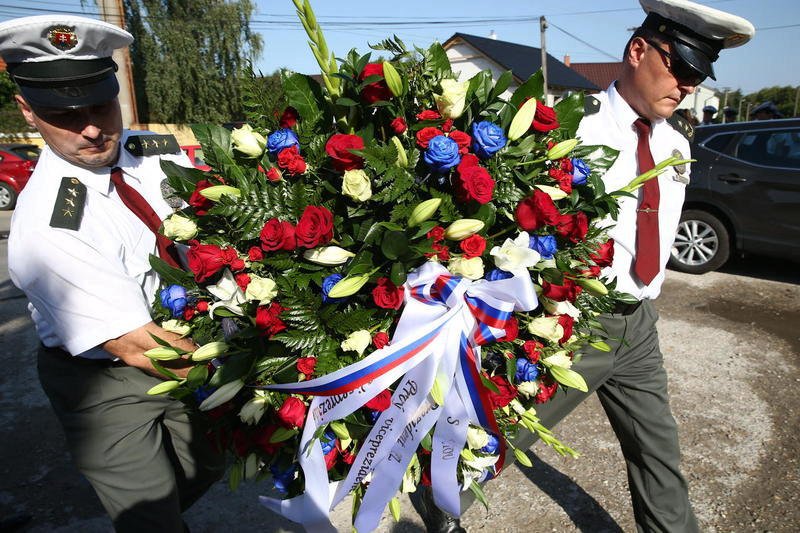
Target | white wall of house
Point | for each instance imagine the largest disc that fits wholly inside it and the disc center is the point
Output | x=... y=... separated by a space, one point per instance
x=702 y=97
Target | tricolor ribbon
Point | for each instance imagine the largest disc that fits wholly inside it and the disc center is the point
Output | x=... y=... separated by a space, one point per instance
x=437 y=340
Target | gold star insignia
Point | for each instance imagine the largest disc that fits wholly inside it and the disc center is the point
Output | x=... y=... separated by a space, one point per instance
x=145 y=144
x=67 y=212
x=72 y=192
x=165 y=143
x=70 y=202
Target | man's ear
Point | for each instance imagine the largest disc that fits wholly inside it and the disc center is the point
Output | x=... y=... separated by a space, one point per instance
x=25 y=109
x=636 y=51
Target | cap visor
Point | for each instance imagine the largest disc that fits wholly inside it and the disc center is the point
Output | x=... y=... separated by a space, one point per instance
x=95 y=93
x=694 y=58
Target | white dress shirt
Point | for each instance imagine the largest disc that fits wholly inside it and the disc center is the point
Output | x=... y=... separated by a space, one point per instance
x=612 y=126
x=93 y=284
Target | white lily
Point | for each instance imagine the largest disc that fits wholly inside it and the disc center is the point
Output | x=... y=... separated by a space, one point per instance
x=228 y=295
x=515 y=255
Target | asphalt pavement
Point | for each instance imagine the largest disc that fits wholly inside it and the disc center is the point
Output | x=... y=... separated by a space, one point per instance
x=730 y=339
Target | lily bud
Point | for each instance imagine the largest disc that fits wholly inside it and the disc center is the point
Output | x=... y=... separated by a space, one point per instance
x=179 y=228
x=555 y=193
x=222 y=395
x=209 y=351
x=594 y=286
x=164 y=386
x=393 y=79
x=248 y=142
x=522 y=121
x=340 y=429
x=328 y=255
x=461 y=229
x=348 y=286
x=423 y=211
x=176 y=326
x=562 y=149
x=162 y=353
x=215 y=192
x=402 y=158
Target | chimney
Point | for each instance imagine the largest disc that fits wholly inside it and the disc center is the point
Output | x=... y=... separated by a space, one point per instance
x=492 y=35
x=566 y=60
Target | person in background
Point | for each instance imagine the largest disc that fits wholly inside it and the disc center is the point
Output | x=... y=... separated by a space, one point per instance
x=79 y=247
x=765 y=111
x=708 y=115
x=729 y=114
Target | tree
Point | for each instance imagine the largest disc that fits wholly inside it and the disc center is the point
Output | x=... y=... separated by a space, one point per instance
x=782 y=97
x=189 y=58
x=11 y=120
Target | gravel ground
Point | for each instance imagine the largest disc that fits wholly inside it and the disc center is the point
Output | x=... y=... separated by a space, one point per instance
x=731 y=342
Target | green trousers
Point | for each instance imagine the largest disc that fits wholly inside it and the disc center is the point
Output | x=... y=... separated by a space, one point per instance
x=631 y=383
x=145 y=458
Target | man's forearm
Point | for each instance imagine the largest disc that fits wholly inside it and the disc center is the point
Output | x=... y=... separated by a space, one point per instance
x=130 y=348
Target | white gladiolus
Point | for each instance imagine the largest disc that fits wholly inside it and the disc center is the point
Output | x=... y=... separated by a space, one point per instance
x=328 y=255
x=357 y=341
x=515 y=255
x=179 y=228
x=263 y=289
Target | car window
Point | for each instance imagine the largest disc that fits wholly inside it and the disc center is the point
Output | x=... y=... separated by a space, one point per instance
x=779 y=148
x=198 y=157
x=718 y=143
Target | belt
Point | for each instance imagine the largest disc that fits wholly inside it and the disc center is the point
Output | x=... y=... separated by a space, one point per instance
x=76 y=359
x=626 y=309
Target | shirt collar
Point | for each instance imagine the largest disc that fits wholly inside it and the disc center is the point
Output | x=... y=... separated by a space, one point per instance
x=623 y=113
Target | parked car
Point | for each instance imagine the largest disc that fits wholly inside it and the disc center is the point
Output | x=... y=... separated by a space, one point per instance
x=195 y=153
x=16 y=166
x=744 y=195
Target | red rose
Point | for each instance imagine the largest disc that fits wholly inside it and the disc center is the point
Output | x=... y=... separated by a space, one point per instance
x=425 y=135
x=380 y=339
x=273 y=174
x=377 y=90
x=506 y=392
x=268 y=319
x=591 y=271
x=547 y=387
x=533 y=350
x=289 y=117
x=512 y=331
x=462 y=139
x=428 y=114
x=188 y=313
x=545 y=118
x=568 y=291
x=306 y=365
x=441 y=252
x=399 y=125
x=277 y=235
x=347 y=457
x=237 y=264
x=447 y=125
x=473 y=246
x=200 y=203
x=566 y=165
x=436 y=234
x=387 y=295
x=338 y=148
x=536 y=211
x=315 y=227
x=292 y=414
x=381 y=402
x=205 y=260
x=261 y=439
x=255 y=254
x=573 y=227
x=241 y=442
x=242 y=280
x=202 y=306
x=604 y=255
x=290 y=159
x=468 y=160
x=475 y=183
x=564 y=179
x=566 y=322
x=331 y=457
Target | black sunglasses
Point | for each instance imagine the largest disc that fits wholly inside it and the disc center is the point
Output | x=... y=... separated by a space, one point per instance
x=683 y=71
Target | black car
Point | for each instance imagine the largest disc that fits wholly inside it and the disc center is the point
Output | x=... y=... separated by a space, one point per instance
x=744 y=195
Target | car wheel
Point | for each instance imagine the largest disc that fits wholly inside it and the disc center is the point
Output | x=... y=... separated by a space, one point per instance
x=7 y=197
x=702 y=243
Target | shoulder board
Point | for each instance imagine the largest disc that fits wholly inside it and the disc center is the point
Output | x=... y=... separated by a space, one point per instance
x=153 y=144
x=591 y=105
x=68 y=209
x=681 y=126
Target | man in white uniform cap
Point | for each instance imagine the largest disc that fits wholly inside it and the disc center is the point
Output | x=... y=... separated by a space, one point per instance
x=79 y=247
x=664 y=61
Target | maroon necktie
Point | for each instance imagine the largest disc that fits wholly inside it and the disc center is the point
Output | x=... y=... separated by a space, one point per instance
x=647 y=261
x=139 y=206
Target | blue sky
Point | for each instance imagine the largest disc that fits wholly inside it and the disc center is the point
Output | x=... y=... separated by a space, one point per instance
x=770 y=59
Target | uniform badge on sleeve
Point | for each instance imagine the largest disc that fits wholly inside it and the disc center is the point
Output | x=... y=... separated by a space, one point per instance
x=68 y=209
x=680 y=170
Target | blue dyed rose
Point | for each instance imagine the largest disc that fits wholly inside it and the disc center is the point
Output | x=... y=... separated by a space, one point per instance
x=442 y=154
x=327 y=285
x=526 y=371
x=174 y=299
x=492 y=445
x=280 y=139
x=202 y=392
x=580 y=171
x=328 y=441
x=487 y=139
x=546 y=245
x=497 y=274
x=282 y=479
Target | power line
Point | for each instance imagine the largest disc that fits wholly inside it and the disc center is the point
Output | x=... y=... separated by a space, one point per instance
x=593 y=47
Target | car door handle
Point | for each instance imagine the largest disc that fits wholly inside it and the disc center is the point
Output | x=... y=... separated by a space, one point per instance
x=731 y=178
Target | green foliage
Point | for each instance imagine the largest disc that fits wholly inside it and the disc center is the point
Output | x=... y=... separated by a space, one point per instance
x=11 y=120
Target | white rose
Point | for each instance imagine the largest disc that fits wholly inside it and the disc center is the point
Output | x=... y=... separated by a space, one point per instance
x=176 y=326
x=515 y=255
x=356 y=185
x=528 y=389
x=328 y=255
x=259 y=288
x=179 y=228
x=546 y=327
x=471 y=268
x=248 y=142
x=558 y=359
x=477 y=438
x=451 y=102
x=357 y=341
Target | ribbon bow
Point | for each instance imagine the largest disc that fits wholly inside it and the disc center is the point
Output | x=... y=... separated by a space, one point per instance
x=436 y=343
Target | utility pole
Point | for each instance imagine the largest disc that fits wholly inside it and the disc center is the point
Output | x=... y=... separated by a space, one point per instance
x=724 y=106
x=796 y=101
x=111 y=11
x=542 y=28
x=739 y=112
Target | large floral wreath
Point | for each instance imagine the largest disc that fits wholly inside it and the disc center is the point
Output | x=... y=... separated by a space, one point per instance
x=387 y=279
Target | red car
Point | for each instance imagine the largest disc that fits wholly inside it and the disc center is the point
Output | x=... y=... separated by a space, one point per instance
x=195 y=153
x=16 y=166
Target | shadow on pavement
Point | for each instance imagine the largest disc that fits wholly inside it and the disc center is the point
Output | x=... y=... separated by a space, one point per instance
x=762 y=267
